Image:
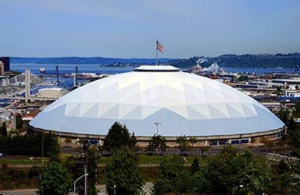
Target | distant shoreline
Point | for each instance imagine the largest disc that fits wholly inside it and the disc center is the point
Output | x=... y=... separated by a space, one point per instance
x=290 y=60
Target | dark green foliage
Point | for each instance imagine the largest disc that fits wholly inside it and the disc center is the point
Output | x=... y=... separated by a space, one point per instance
x=118 y=137
x=278 y=91
x=183 y=143
x=203 y=149
x=3 y=130
x=75 y=166
x=184 y=182
x=92 y=171
x=230 y=169
x=123 y=172
x=174 y=177
x=223 y=174
x=193 y=140
x=156 y=142
x=283 y=114
x=34 y=172
x=293 y=133
x=19 y=121
x=195 y=166
x=170 y=170
x=31 y=145
x=200 y=182
x=292 y=126
x=296 y=111
x=132 y=141
x=11 y=178
x=281 y=178
x=295 y=138
x=55 y=180
x=51 y=147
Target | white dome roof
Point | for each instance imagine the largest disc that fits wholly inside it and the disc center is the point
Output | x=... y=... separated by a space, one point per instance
x=184 y=104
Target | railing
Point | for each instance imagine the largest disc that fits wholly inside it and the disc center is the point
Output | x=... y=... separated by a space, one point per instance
x=278 y=158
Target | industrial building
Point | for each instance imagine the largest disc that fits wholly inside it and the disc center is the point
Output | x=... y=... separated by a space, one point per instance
x=160 y=100
x=50 y=92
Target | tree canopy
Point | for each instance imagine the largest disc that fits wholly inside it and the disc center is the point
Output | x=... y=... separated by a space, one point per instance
x=156 y=142
x=230 y=169
x=54 y=180
x=3 y=130
x=123 y=172
x=118 y=136
x=229 y=172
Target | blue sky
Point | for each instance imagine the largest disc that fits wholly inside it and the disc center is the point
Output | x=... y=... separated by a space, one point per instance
x=129 y=28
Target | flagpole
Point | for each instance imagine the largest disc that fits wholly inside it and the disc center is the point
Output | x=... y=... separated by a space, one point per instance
x=156 y=51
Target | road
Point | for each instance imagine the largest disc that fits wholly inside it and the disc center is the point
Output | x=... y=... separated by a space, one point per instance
x=147 y=187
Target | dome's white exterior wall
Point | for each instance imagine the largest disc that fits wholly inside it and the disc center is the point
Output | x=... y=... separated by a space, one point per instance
x=184 y=104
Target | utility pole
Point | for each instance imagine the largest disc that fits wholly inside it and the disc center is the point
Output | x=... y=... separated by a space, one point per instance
x=86 y=148
x=85 y=181
x=84 y=175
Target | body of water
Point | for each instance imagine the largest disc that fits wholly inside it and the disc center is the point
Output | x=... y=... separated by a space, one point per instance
x=95 y=68
x=68 y=68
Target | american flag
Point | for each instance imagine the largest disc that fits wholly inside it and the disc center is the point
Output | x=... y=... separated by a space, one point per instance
x=159 y=47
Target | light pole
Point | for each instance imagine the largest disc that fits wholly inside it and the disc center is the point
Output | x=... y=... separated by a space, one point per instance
x=42 y=148
x=86 y=148
x=115 y=189
x=84 y=175
x=157 y=123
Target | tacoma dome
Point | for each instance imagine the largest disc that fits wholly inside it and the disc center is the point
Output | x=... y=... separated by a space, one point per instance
x=159 y=99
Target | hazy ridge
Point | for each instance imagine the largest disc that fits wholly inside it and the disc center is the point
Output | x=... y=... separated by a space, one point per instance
x=228 y=60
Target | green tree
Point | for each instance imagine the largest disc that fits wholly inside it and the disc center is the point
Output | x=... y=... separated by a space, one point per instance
x=93 y=159
x=123 y=172
x=200 y=182
x=296 y=111
x=3 y=130
x=54 y=180
x=193 y=140
x=51 y=147
x=292 y=126
x=19 y=121
x=278 y=91
x=118 y=136
x=230 y=169
x=156 y=142
x=75 y=166
x=170 y=171
x=203 y=149
x=183 y=143
x=293 y=133
x=195 y=165
x=281 y=178
x=132 y=141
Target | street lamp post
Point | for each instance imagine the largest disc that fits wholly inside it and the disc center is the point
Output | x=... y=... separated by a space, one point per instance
x=84 y=175
x=115 y=189
x=85 y=180
x=86 y=148
x=157 y=123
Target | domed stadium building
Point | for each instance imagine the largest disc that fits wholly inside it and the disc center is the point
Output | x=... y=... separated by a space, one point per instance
x=160 y=100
